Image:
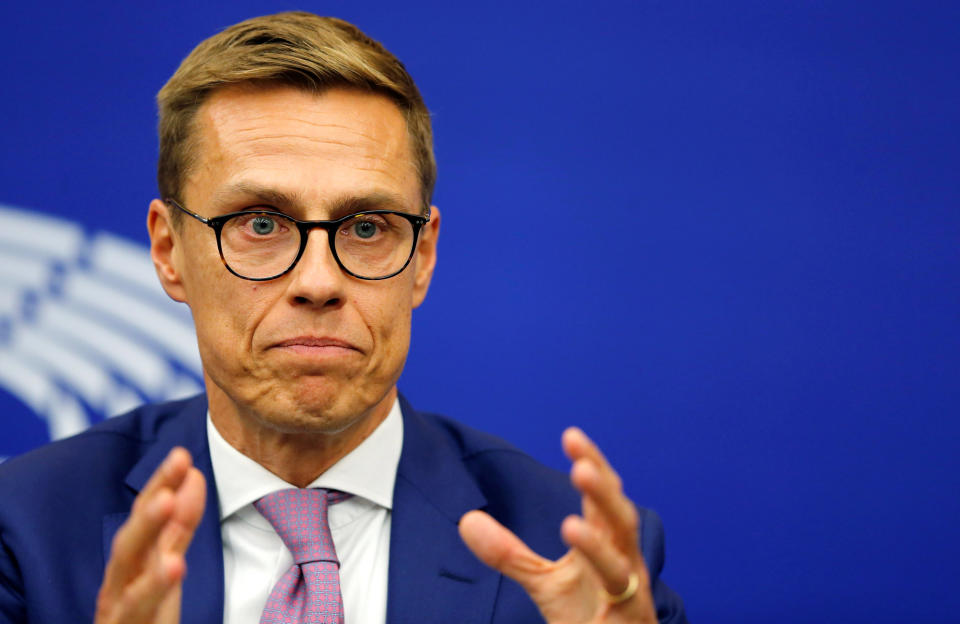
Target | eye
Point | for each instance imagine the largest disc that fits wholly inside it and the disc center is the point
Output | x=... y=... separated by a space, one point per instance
x=365 y=229
x=263 y=225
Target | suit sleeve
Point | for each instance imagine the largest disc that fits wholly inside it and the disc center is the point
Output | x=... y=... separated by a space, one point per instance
x=669 y=605
x=12 y=606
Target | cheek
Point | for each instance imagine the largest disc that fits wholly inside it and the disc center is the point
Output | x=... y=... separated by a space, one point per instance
x=389 y=322
x=225 y=313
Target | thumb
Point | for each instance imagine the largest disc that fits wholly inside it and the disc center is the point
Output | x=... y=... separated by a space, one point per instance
x=499 y=548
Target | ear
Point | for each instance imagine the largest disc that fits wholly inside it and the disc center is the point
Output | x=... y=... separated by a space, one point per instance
x=164 y=250
x=426 y=256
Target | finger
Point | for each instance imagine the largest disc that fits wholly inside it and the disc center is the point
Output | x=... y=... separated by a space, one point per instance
x=618 y=513
x=577 y=445
x=168 y=612
x=499 y=548
x=169 y=474
x=142 y=598
x=138 y=598
x=593 y=475
x=133 y=541
x=613 y=569
x=149 y=594
x=612 y=566
x=151 y=511
x=189 y=503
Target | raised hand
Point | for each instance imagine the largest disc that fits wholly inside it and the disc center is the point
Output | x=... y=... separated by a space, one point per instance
x=602 y=578
x=143 y=579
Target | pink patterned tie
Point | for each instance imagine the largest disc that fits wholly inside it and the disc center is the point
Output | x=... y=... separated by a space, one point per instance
x=310 y=590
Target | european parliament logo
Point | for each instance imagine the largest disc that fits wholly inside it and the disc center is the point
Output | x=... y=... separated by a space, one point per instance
x=86 y=332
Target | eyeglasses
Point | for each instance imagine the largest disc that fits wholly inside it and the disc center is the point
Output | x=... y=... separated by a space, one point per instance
x=262 y=245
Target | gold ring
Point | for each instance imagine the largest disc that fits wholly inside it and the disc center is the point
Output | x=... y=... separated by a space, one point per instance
x=626 y=594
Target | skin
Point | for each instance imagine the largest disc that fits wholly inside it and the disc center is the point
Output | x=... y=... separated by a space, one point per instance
x=604 y=549
x=295 y=408
x=301 y=369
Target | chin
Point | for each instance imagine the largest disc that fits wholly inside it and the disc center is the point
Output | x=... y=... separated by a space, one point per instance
x=317 y=408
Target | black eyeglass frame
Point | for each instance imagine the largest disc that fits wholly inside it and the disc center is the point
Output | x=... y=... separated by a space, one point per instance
x=217 y=223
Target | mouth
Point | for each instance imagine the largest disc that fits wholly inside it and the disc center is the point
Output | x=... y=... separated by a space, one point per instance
x=319 y=346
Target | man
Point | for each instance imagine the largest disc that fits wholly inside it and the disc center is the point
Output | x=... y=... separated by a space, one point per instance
x=299 y=151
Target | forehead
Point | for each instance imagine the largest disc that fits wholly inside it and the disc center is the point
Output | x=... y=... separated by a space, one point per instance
x=315 y=147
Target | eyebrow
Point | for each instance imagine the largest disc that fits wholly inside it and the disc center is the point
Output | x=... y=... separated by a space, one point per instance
x=374 y=201
x=263 y=194
x=293 y=202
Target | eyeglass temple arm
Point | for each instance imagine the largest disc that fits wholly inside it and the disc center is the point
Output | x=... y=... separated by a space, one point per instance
x=172 y=202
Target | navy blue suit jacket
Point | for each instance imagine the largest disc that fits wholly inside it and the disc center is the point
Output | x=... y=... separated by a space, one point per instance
x=61 y=505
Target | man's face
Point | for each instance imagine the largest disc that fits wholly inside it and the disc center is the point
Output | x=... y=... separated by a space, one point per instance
x=314 y=350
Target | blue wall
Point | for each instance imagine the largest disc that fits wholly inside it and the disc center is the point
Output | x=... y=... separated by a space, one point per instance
x=722 y=237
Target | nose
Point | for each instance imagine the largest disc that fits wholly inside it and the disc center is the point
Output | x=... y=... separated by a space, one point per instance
x=317 y=279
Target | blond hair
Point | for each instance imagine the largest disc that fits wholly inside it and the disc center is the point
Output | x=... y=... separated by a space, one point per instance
x=295 y=49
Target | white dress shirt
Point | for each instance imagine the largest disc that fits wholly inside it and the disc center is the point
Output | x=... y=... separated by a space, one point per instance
x=254 y=557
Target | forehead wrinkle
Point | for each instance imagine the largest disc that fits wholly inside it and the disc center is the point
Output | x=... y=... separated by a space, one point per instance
x=232 y=134
x=232 y=113
x=254 y=122
x=296 y=138
x=277 y=143
x=310 y=120
x=388 y=141
x=378 y=161
x=226 y=120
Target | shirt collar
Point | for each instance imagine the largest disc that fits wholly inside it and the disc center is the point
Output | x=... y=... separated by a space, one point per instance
x=368 y=471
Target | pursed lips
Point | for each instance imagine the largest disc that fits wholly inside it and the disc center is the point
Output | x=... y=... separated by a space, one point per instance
x=314 y=344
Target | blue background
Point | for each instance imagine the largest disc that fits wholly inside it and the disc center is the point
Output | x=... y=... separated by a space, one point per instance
x=720 y=236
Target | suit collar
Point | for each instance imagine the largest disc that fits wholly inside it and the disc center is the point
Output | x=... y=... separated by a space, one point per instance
x=184 y=426
x=430 y=462
x=203 y=590
x=433 y=577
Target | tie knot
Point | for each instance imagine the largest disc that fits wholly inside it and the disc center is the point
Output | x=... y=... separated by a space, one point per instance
x=299 y=516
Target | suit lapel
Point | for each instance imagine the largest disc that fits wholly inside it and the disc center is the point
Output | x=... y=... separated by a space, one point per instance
x=203 y=587
x=433 y=577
